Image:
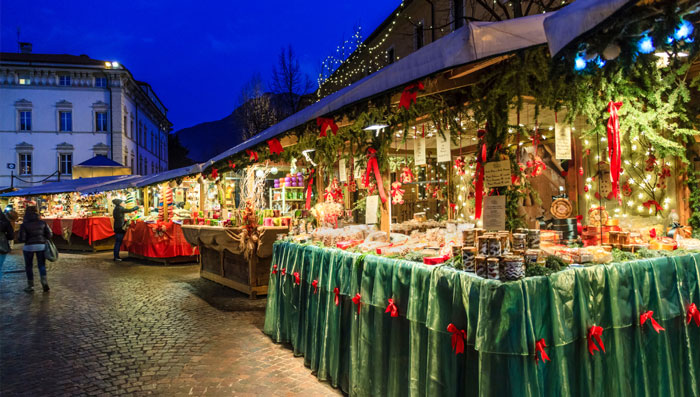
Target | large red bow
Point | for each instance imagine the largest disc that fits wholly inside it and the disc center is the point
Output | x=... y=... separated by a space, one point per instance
x=479 y=184
x=458 y=337
x=653 y=203
x=693 y=314
x=410 y=95
x=214 y=173
x=275 y=146
x=315 y=285
x=392 y=309
x=274 y=269
x=356 y=300
x=325 y=124
x=253 y=155
x=614 y=147
x=297 y=279
x=648 y=316
x=595 y=332
x=539 y=348
x=336 y=291
x=373 y=166
x=308 y=189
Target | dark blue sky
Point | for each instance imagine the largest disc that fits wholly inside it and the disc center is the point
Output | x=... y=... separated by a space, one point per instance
x=196 y=55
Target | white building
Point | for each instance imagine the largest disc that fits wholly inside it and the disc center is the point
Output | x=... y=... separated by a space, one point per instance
x=58 y=110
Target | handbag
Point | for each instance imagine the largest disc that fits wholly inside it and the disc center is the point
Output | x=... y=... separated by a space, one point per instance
x=50 y=252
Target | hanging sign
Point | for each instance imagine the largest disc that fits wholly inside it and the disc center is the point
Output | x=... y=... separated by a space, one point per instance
x=497 y=174
x=342 y=171
x=357 y=170
x=562 y=141
x=419 y=151
x=371 y=209
x=444 y=153
x=494 y=215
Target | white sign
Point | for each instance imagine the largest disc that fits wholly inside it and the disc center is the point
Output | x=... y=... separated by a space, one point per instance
x=357 y=171
x=419 y=151
x=494 y=212
x=444 y=153
x=342 y=171
x=562 y=141
x=497 y=174
x=371 y=210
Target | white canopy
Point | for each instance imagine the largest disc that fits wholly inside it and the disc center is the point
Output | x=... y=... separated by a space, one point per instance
x=473 y=42
x=577 y=19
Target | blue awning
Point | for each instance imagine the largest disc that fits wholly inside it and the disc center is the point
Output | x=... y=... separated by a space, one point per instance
x=70 y=185
x=170 y=175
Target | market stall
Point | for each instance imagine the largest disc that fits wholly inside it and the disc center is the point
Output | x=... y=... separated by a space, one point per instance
x=160 y=242
x=94 y=233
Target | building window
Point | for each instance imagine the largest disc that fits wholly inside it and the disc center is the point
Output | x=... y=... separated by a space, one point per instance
x=25 y=120
x=65 y=163
x=24 y=79
x=419 y=34
x=65 y=121
x=390 y=55
x=101 y=82
x=458 y=13
x=133 y=131
x=101 y=121
x=64 y=80
x=25 y=163
x=126 y=127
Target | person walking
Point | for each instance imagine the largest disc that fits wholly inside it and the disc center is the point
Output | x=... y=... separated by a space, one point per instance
x=8 y=231
x=118 y=215
x=34 y=233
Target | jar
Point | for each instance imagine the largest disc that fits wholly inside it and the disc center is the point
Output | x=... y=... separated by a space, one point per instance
x=533 y=239
x=519 y=241
x=505 y=241
x=531 y=257
x=469 y=237
x=495 y=248
x=493 y=266
x=483 y=245
x=468 y=259
x=513 y=268
x=480 y=266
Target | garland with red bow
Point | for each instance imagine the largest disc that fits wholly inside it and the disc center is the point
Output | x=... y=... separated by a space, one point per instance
x=373 y=166
x=648 y=316
x=595 y=332
x=231 y=165
x=458 y=337
x=275 y=146
x=479 y=176
x=614 y=152
x=325 y=124
x=214 y=173
x=409 y=95
x=252 y=154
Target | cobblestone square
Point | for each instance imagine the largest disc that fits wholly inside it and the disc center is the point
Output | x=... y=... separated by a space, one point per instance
x=132 y=328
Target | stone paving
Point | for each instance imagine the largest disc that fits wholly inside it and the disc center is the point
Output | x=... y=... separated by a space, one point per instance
x=131 y=328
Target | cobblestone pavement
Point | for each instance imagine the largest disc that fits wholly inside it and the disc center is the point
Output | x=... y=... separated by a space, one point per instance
x=129 y=328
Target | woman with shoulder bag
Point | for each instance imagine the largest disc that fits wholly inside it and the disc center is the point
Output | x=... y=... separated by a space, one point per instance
x=7 y=234
x=34 y=233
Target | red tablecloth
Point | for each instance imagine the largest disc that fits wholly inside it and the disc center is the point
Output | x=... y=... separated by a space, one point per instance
x=157 y=240
x=90 y=229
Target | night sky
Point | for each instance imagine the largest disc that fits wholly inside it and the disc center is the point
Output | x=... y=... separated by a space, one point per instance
x=196 y=55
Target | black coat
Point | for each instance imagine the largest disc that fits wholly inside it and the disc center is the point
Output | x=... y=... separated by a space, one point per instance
x=6 y=227
x=118 y=215
x=33 y=230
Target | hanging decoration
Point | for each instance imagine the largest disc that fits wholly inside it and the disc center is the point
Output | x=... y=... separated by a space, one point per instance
x=648 y=316
x=252 y=154
x=297 y=278
x=275 y=146
x=357 y=302
x=315 y=285
x=458 y=337
x=479 y=175
x=391 y=308
x=459 y=165
x=373 y=166
x=693 y=314
x=406 y=175
x=214 y=173
x=325 y=124
x=410 y=95
x=397 y=193
x=535 y=166
x=614 y=152
x=333 y=193
x=595 y=332
x=336 y=292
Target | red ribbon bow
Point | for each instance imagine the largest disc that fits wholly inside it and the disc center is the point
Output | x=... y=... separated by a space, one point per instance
x=579 y=225
x=336 y=291
x=458 y=337
x=214 y=173
x=652 y=233
x=297 y=279
x=595 y=332
x=693 y=314
x=651 y=203
x=308 y=189
x=284 y=271
x=614 y=147
x=275 y=146
x=373 y=166
x=539 y=348
x=648 y=316
x=410 y=95
x=253 y=155
x=274 y=269
x=392 y=309
x=325 y=124
x=315 y=285
x=231 y=165
x=356 y=300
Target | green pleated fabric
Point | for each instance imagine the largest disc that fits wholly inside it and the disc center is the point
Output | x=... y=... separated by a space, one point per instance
x=411 y=355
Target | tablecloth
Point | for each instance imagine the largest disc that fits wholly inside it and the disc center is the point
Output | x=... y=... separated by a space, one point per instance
x=91 y=229
x=375 y=354
x=157 y=240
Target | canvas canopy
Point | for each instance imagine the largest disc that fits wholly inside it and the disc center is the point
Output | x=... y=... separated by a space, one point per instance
x=72 y=185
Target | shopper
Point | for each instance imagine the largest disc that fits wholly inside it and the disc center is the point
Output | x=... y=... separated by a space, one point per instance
x=118 y=215
x=34 y=233
x=8 y=231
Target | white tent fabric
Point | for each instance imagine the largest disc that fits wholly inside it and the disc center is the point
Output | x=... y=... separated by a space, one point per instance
x=577 y=19
x=80 y=185
x=473 y=42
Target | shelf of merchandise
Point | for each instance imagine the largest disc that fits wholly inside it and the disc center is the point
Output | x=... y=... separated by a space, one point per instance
x=284 y=200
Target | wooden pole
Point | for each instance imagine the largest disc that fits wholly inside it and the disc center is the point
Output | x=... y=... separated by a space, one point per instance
x=146 y=207
x=385 y=221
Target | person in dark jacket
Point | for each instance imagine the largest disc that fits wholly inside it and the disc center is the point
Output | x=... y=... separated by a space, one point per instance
x=8 y=231
x=34 y=233
x=118 y=215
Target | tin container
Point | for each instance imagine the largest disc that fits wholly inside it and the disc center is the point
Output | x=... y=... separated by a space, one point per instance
x=493 y=266
x=483 y=245
x=531 y=256
x=505 y=241
x=469 y=237
x=469 y=259
x=480 y=266
x=533 y=239
x=513 y=268
x=519 y=241
x=495 y=248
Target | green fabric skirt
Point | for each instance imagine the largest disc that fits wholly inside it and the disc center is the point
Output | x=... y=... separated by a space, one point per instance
x=369 y=353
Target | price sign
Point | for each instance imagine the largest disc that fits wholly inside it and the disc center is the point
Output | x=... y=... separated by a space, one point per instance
x=497 y=174
x=494 y=213
x=443 y=148
x=357 y=171
x=342 y=171
x=371 y=209
x=562 y=141
x=419 y=151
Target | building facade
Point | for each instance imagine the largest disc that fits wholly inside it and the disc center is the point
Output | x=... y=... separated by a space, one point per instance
x=59 y=110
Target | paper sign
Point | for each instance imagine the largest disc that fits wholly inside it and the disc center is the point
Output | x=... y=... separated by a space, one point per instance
x=494 y=213
x=371 y=210
x=419 y=151
x=357 y=171
x=179 y=195
x=497 y=173
x=342 y=171
x=443 y=148
x=562 y=141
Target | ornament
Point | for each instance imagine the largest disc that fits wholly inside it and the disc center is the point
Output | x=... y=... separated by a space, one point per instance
x=626 y=189
x=650 y=163
x=459 y=165
x=406 y=175
x=397 y=193
x=580 y=170
x=612 y=51
x=333 y=193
